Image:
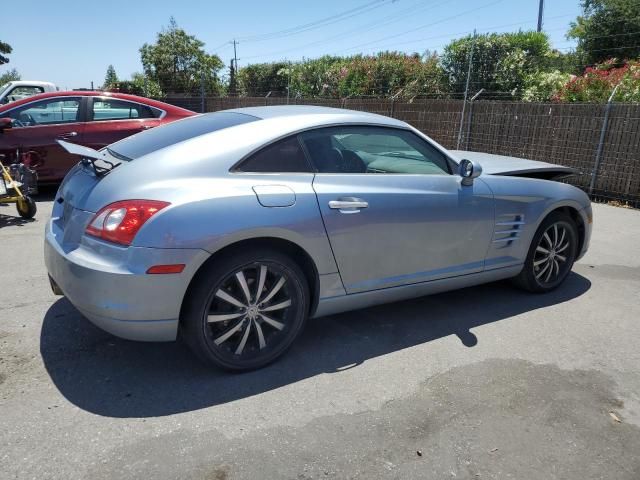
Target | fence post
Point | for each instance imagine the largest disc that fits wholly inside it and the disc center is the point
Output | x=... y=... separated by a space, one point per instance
x=466 y=89
x=468 y=135
x=603 y=132
x=202 y=100
x=393 y=102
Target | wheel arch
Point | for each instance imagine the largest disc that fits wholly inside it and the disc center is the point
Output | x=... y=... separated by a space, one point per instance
x=574 y=214
x=286 y=247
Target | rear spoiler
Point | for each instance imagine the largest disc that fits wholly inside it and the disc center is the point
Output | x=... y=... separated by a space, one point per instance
x=88 y=156
x=81 y=151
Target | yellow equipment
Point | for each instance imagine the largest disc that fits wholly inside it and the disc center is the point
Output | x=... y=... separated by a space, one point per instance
x=10 y=193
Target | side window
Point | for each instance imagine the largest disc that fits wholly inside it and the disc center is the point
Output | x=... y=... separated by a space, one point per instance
x=282 y=156
x=46 y=112
x=373 y=150
x=19 y=93
x=112 y=109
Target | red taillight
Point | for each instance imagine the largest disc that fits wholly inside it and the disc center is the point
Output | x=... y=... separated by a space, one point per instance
x=119 y=222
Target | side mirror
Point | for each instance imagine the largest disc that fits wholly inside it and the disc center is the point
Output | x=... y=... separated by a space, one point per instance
x=469 y=170
x=6 y=122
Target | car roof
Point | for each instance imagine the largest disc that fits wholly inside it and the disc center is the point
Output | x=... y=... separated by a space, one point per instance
x=31 y=82
x=95 y=93
x=280 y=111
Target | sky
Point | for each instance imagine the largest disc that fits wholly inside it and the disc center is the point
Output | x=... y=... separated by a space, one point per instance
x=73 y=42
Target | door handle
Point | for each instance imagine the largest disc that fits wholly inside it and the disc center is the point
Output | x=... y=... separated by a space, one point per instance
x=68 y=135
x=146 y=127
x=348 y=204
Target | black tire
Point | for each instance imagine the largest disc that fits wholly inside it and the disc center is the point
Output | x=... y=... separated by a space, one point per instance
x=266 y=327
x=540 y=275
x=26 y=207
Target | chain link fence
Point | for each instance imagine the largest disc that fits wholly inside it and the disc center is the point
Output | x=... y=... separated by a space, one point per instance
x=603 y=147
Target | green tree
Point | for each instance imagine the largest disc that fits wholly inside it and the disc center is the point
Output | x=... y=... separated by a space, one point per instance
x=5 y=49
x=258 y=79
x=139 y=85
x=111 y=78
x=9 y=76
x=607 y=29
x=501 y=61
x=179 y=64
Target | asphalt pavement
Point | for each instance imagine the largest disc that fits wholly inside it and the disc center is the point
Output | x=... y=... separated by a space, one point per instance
x=486 y=382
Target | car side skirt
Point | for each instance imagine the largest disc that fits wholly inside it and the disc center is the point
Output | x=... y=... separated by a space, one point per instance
x=343 y=303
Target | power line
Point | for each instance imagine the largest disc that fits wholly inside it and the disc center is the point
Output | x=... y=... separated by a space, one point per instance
x=484 y=30
x=317 y=23
x=466 y=12
x=363 y=28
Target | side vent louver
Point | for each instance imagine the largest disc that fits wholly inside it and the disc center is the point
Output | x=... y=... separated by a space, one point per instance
x=508 y=229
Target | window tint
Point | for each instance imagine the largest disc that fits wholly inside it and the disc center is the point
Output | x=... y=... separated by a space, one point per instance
x=372 y=150
x=112 y=109
x=282 y=156
x=175 y=132
x=46 y=112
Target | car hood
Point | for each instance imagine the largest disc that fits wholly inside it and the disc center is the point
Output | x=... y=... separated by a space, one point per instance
x=504 y=165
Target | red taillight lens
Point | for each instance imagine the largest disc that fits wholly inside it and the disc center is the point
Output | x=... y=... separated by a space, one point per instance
x=119 y=222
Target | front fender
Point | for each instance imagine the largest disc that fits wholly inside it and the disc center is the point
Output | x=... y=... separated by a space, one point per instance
x=528 y=201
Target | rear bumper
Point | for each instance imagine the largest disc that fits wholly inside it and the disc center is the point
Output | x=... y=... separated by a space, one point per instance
x=112 y=289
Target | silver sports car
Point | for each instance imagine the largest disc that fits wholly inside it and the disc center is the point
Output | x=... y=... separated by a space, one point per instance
x=234 y=227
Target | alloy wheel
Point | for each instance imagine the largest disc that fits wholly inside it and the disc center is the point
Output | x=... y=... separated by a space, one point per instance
x=553 y=255
x=250 y=311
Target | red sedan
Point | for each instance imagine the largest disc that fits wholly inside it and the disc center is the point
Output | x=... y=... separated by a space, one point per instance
x=94 y=119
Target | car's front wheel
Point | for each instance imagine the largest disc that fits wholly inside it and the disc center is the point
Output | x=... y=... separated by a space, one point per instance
x=551 y=254
x=244 y=311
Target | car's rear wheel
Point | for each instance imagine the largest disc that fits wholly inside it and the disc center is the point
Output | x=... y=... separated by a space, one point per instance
x=551 y=254
x=244 y=311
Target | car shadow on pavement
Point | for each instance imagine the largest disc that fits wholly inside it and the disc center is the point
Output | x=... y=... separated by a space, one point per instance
x=118 y=378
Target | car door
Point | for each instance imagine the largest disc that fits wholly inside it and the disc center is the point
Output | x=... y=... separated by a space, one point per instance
x=112 y=119
x=36 y=128
x=393 y=211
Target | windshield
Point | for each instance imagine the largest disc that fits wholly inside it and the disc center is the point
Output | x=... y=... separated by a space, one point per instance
x=179 y=131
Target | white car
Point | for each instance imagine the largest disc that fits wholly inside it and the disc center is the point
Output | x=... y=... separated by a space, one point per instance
x=17 y=90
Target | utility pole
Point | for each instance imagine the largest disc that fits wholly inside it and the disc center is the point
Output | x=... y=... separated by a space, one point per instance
x=540 y=13
x=232 y=79
x=235 y=56
x=288 y=81
x=466 y=88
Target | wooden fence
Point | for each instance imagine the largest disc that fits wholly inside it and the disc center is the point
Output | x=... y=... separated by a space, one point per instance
x=566 y=134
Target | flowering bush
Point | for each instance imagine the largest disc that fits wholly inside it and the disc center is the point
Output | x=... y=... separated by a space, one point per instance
x=544 y=86
x=597 y=83
x=386 y=74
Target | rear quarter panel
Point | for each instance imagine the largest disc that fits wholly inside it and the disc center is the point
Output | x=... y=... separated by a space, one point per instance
x=210 y=214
